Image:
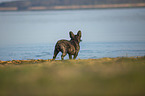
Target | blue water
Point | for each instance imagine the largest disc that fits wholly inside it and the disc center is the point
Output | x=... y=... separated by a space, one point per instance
x=105 y=32
x=88 y=50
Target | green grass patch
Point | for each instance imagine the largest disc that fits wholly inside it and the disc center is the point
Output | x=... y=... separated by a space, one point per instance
x=91 y=77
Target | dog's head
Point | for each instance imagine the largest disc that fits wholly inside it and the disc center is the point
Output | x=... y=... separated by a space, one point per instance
x=75 y=37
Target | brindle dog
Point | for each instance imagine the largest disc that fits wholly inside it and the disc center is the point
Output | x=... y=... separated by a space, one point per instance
x=71 y=47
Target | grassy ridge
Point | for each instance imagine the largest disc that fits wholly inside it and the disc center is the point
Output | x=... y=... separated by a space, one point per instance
x=90 y=77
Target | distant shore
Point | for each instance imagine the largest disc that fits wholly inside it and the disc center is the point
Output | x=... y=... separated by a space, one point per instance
x=73 y=7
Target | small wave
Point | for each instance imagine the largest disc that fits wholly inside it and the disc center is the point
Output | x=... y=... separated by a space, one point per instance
x=93 y=57
x=39 y=55
x=47 y=53
x=42 y=54
x=129 y=51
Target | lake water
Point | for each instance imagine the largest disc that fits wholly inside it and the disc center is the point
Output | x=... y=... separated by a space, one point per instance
x=88 y=50
x=105 y=33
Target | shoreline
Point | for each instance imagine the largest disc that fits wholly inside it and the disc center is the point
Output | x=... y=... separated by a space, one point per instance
x=37 y=61
x=74 y=7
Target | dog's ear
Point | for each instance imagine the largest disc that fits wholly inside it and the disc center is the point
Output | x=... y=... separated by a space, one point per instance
x=79 y=33
x=71 y=34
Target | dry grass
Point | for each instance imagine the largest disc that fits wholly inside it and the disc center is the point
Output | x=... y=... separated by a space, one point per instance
x=90 y=77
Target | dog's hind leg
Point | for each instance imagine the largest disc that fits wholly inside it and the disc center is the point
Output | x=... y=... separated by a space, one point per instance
x=63 y=54
x=70 y=56
x=55 y=54
x=75 y=56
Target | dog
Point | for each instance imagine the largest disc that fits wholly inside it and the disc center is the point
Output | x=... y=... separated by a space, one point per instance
x=71 y=47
